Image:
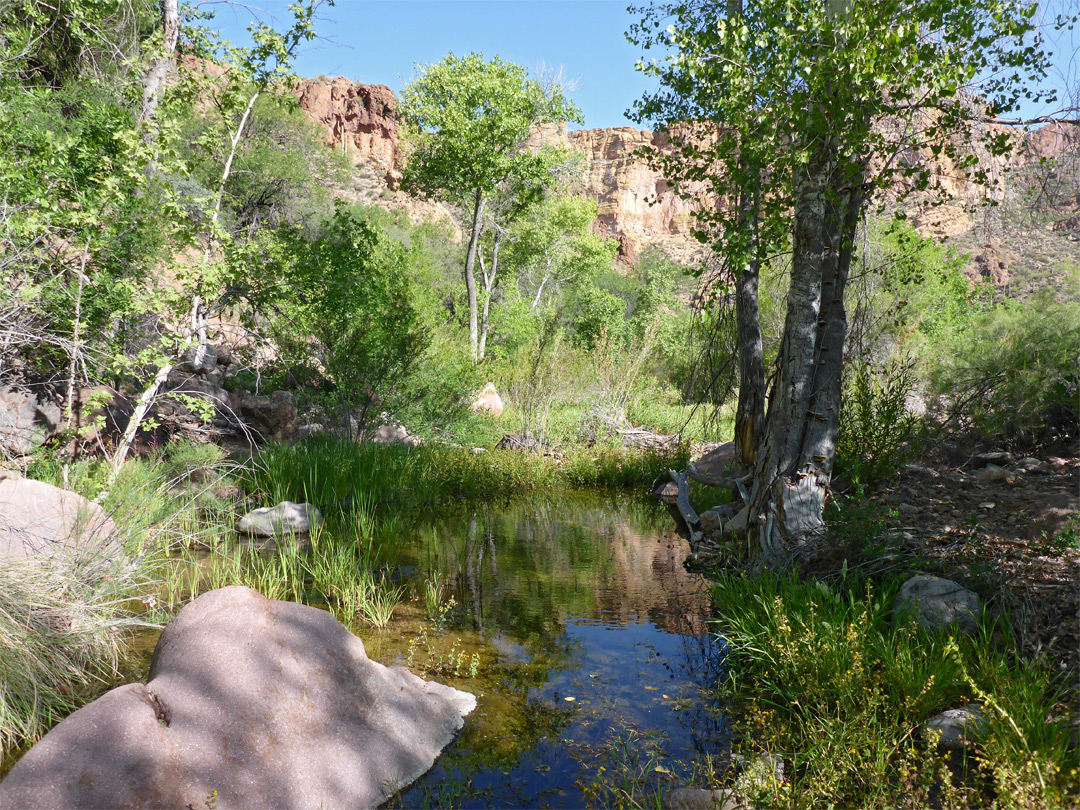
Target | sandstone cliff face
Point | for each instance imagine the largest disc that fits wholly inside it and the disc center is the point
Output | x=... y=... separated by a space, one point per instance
x=635 y=204
x=360 y=119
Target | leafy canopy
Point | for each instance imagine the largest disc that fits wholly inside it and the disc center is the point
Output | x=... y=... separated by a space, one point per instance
x=750 y=97
x=468 y=120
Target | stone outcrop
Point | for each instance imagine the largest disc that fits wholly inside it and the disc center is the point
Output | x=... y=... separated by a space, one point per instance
x=250 y=703
x=359 y=119
x=635 y=204
x=36 y=518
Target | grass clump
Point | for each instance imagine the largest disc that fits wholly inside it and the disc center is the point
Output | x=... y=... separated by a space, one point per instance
x=62 y=627
x=828 y=680
x=331 y=471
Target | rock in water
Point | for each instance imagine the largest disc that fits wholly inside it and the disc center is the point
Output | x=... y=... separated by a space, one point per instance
x=938 y=602
x=285 y=518
x=36 y=518
x=251 y=703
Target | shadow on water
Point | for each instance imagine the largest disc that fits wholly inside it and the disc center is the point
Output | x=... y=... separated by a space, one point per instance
x=585 y=641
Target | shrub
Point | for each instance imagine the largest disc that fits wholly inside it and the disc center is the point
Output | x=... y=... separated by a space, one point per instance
x=828 y=680
x=60 y=638
x=1012 y=377
x=876 y=428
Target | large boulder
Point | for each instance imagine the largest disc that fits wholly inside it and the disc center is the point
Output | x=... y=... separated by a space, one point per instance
x=272 y=417
x=937 y=602
x=37 y=518
x=27 y=420
x=718 y=461
x=488 y=401
x=251 y=703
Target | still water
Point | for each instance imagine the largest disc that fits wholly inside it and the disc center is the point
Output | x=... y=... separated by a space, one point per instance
x=572 y=619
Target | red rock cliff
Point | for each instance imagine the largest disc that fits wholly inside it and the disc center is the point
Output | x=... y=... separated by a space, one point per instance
x=635 y=204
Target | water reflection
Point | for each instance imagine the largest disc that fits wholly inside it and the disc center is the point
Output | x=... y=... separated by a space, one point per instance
x=590 y=632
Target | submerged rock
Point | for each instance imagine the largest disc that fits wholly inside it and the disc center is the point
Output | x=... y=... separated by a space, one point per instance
x=284 y=519
x=937 y=602
x=251 y=703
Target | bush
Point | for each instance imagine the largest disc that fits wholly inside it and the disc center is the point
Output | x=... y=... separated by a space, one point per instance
x=60 y=639
x=876 y=428
x=1012 y=377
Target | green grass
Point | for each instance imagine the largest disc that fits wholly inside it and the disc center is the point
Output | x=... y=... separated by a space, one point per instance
x=62 y=631
x=333 y=472
x=827 y=679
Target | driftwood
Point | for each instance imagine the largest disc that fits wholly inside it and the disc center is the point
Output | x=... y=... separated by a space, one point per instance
x=714 y=481
x=682 y=503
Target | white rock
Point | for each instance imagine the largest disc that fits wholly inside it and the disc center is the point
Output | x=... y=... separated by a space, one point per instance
x=488 y=401
x=285 y=518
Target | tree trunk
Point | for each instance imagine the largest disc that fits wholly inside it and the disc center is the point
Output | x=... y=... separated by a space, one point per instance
x=794 y=468
x=750 y=414
x=470 y=277
x=159 y=68
x=489 y=290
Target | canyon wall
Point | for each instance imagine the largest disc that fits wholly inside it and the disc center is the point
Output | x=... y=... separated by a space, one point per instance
x=636 y=206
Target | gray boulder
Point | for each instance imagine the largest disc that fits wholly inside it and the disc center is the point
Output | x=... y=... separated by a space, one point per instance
x=26 y=420
x=992 y=474
x=251 y=703
x=271 y=417
x=956 y=729
x=37 y=518
x=284 y=519
x=936 y=602
x=691 y=798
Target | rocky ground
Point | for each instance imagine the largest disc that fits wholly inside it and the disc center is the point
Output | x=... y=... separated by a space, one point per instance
x=1010 y=527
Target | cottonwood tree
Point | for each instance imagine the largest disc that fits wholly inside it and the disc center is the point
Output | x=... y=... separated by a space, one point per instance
x=468 y=125
x=790 y=117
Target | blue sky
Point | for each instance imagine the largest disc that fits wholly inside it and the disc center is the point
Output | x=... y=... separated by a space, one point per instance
x=379 y=41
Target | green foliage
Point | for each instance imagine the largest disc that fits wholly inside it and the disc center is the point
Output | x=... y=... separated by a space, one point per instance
x=342 y=309
x=80 y=223
x=468 y=119
x=746 y=82
x=554 y=250
x=328 y=470
x=1011 y=376
x=280 y=173
x=876 y=427
x=831 y=682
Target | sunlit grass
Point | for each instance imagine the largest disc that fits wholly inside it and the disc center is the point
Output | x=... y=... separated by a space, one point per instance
x=830 y=681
